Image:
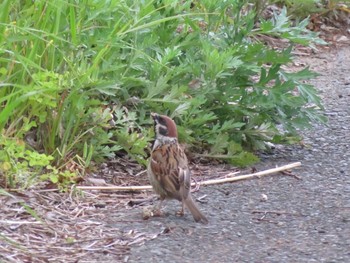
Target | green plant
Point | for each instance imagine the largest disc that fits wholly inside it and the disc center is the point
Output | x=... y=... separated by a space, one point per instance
x=19 y=165
x=69 y=70
x=300 y=9
x=230 y=91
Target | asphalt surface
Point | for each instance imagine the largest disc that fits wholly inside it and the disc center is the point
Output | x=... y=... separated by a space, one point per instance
x=305 y=220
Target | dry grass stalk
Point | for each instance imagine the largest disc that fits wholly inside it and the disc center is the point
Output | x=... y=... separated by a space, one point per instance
x=207 y=182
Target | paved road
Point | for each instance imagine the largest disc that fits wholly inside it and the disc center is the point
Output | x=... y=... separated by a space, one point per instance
x=312 y=223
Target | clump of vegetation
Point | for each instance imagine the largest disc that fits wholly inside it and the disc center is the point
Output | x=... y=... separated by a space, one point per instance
x=304 y=8
x=78 y=81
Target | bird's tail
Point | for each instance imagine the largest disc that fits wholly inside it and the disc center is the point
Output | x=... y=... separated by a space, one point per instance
x=196 y=213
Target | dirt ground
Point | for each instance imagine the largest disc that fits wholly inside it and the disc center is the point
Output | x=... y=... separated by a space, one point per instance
x=298 y=220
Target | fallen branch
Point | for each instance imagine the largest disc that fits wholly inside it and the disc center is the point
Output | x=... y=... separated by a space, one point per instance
x=117 y=188
x=208 y=182
x=11 y=222
x=248 y=176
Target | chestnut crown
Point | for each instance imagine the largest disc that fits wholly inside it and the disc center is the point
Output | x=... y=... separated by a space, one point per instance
x=164 y=126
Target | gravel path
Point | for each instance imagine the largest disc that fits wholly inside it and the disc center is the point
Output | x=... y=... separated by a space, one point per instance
x=307 y=220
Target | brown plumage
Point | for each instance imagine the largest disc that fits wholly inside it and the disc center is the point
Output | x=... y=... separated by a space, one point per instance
x=168 y=169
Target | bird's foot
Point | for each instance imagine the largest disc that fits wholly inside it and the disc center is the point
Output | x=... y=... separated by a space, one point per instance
x=157 y=212
x=180 y=212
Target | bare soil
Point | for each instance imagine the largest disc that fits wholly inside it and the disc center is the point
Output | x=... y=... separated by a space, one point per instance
x=276 y=218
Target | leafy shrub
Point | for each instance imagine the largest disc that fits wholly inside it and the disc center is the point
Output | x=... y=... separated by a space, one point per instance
x=304 y=8
x=79 y=80
x=20 y=164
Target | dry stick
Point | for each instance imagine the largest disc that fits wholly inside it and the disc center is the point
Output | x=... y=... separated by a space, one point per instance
x=208 y=182
x=19 y=222
x=247 y=176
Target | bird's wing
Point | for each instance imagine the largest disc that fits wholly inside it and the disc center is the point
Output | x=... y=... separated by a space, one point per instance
x=169 y=164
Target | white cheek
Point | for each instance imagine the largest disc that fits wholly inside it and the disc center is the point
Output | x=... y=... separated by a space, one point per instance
x=160 y=140
x=156 y=144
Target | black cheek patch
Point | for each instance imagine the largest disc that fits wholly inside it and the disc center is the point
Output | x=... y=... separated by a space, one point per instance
x=163 y=131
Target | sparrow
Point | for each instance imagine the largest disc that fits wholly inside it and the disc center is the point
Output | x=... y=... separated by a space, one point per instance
x=168 y=169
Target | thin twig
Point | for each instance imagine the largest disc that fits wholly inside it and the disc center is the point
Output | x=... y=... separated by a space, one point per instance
x=232 y=174
x=208 y=182
x=19 y=222
x=117 y=188
x=289 y=173
x=265 y=212
x=248 y=176
x=138 y=174
x=266 y=220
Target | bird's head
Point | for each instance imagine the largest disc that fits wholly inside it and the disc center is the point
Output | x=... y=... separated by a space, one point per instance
x=164 y=127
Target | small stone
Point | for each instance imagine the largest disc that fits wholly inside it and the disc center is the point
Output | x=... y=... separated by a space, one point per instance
x=147 y=212
x=343 y=39
x=263 y=198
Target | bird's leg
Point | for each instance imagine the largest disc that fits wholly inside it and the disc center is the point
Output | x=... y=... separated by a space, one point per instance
x=181 y=211
x=158 y=211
